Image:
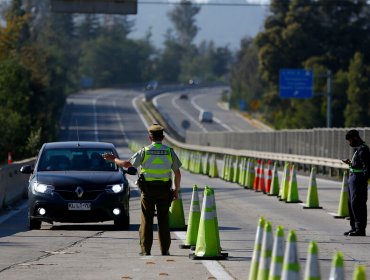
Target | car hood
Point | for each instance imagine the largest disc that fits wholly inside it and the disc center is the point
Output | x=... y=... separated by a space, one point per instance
x=81 y=178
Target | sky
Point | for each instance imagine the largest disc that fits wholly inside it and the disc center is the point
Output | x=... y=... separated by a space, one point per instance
x=225 y=25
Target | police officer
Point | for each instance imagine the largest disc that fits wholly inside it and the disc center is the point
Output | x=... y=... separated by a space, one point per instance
x=157 y=163
x=359 y=174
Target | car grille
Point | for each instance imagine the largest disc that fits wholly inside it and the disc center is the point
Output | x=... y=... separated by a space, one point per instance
x=87 y=195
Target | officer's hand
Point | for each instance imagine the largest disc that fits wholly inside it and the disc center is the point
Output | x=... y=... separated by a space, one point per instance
x=175 y=194
x=109 y=157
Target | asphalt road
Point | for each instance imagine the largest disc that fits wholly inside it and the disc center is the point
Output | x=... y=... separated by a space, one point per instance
x=97 y=251
x=183 y=114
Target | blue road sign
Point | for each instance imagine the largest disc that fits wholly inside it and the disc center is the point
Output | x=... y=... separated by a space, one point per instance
x=241 y=105
x=296 y=83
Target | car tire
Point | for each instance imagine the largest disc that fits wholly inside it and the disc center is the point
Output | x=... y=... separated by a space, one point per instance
x=34 y=224
x=123 y=222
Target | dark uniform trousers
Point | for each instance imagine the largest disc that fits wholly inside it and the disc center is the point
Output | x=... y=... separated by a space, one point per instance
x=357 y=192
x=155 y=194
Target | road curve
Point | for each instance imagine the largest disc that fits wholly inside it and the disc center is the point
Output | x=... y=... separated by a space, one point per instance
x=183 y=114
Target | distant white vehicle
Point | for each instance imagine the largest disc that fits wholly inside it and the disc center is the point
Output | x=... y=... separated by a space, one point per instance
x=205 y=116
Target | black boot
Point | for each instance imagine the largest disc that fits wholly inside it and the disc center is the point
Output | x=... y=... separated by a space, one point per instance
x=358 y=233
x=350 y=231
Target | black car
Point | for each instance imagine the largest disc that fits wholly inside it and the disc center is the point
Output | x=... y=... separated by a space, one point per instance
x=71 y=182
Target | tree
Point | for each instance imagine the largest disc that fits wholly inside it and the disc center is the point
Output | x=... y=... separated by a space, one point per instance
x=112 y=59
x=169 y=65
x=318 y=35
x=183 y=18
x=89 y=28
x=246 y=84
x=15 y=119
x=357 y=109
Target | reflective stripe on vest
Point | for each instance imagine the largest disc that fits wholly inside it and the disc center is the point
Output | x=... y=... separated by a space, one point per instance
x=157 y=163
x=354 y=170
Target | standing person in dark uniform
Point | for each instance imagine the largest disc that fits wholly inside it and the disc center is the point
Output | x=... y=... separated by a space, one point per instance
x=359 y=174
x=157 y=163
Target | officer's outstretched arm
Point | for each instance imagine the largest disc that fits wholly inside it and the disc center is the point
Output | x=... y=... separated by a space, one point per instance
x=119 y=162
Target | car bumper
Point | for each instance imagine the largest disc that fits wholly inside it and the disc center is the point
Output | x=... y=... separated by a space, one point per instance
x=101 y=209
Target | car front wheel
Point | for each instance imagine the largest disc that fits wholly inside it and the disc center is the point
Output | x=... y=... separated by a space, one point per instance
x=123 y=222
x=33 y=224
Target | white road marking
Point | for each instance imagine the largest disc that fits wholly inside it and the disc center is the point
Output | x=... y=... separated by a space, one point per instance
x=118 y=117
x=214 y=118
x=96 y=128
x=212 y=266
x=138 y=111
x=187 y=114
x=155 y=102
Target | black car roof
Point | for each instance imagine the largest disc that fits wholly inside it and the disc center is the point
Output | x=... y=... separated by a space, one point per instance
x=78 y=144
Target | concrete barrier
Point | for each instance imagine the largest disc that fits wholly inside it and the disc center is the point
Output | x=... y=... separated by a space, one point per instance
x=13 y=184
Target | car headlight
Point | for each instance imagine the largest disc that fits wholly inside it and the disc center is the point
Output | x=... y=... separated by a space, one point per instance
x=42 y=188
x=117 y=188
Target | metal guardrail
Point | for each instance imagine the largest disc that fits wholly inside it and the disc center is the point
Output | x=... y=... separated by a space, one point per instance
x=306 y=160
x=321 y=145
x=331 y=163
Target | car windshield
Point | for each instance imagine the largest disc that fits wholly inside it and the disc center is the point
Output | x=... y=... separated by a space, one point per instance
x=81 y=159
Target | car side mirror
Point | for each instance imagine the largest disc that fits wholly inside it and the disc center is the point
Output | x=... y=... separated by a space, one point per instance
x=131 y=170
x=26 y=169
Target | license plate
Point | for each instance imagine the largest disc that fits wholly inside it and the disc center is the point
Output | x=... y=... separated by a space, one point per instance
x=79 y=206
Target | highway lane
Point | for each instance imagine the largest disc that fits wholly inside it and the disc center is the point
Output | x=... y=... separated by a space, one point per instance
x=178 y=111
x=230 y=120
x=91 y=251
x=95 y=251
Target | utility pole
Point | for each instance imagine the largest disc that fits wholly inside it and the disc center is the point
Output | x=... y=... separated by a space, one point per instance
x=328 y=99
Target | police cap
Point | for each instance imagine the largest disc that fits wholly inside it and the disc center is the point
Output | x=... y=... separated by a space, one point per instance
x=353 y=133
x=155 y=128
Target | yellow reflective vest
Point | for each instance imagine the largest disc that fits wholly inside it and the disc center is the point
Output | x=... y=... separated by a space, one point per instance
x=157 y=163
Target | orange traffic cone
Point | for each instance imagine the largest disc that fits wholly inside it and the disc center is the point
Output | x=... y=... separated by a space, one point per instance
x=268 y=177
x=261 y=183
x=257 y=177
x=10 y=161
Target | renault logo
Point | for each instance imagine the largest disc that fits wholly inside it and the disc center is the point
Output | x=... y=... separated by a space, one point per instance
x=79 y=191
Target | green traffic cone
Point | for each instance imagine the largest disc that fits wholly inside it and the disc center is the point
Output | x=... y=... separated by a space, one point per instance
x=277 y=257
x=213 y=172
x=293 y=188
x=266 y=253
x=343 y=211
x=253 y=272
x=312 y=271
x=193 y=221
x=284 y=183
x=359 y=273
x=207 y=246
x=312 y=201
x=337 y=267
x=176 y=214
x=291 y=260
